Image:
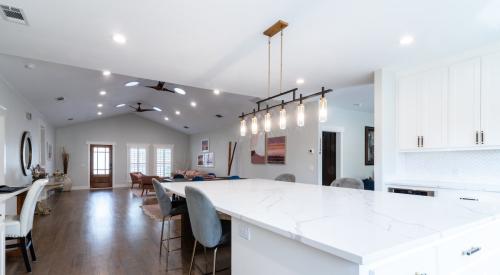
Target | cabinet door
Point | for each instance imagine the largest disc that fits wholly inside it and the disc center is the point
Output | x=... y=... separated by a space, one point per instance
x=464 y=103
x=490 y=99
x=432 y=109
x=408 y=112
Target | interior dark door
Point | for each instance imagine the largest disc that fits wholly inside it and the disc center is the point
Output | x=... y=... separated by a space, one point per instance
x=329 y=153
x=101 y=166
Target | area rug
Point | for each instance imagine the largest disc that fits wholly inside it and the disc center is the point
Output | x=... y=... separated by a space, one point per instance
x=137 y=192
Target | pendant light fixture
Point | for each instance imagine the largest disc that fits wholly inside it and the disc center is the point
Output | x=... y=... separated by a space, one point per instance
x=276 y=28
x=254 y=125
x=283 y=116
x=243 y=127
x=322 y=109
x=267 y=121
x=301 y=116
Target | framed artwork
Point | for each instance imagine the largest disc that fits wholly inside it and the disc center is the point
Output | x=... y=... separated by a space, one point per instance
x=258 y=148
x=369 y=145
x=276 y=150
x=205 y=145
x=208 y=160
x=200 y=160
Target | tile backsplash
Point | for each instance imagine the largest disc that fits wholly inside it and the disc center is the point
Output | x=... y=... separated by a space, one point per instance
x=481 y=166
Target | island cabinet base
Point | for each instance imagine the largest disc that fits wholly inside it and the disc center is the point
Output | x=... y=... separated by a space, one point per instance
x=255 y=250
x=259 y=251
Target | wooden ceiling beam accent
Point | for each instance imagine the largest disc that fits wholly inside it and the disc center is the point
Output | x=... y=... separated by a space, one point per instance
x=275 y=28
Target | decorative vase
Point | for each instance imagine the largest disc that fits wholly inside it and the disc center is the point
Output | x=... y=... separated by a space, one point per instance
x=67 y=183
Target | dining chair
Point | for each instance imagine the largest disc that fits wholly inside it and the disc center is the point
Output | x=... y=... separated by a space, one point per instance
x=19 y=227
x=168 y=209
x=286 y=177
x=348 y=183
x=234 y=177
x=198 y=178
x=208 y=230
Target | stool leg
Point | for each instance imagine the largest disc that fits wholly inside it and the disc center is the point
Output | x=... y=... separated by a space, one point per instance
x=32 y=247
x=161 y=236
x=215 y=259
x=192 y=257
x=25 y=253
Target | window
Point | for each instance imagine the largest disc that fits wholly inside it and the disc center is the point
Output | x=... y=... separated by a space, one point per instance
x=101 y=160
x=137 y=158
x=163 y=161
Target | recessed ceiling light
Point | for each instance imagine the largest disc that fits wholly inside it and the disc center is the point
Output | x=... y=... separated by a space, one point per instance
x=180 y=91
x=99 y=105
x=103 y=92
x=119 y=38
x=106 y=73
x=157 y=109
x=165 y=118
x=193 y=104
x=29 y=66
x=120 y=105
x=70 y=119
x=99 y=113
x=60 y=98
x=406 y=40
x=132 y=83
x=177 y=112
x=216 y=91
x=186 y=127
x=300 y=81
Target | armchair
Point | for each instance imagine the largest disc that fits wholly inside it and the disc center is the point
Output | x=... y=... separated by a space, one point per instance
x=144 y=182
x=136 y=179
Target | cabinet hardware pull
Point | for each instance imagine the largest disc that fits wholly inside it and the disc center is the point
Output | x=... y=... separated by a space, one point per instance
x=471 y=251
x=469 y=199
x=418 y=273
x=418 y=141
x=477 y=137
x=422 y=141
x=482 y=137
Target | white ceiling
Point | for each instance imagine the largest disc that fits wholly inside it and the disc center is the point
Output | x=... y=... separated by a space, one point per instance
x=218 y=44
x=357 y=98
x=80 y=88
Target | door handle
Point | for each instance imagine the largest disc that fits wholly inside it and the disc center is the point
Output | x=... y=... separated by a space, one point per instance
x=477 y=137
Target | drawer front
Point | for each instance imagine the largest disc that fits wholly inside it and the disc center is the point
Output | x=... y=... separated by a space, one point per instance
x=420 y=262
x=467 y=249
x=472 y=196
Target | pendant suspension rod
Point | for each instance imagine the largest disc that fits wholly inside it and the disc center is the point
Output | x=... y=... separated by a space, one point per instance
x=281 y=62
x=269 y=67
x=322 y=92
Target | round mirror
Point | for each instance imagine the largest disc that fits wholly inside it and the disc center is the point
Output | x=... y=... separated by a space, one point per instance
x=26 y=152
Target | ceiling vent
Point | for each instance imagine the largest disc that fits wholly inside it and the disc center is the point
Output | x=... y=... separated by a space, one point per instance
x=14 y=15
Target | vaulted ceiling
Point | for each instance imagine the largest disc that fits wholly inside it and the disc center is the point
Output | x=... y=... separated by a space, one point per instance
x=219 y=44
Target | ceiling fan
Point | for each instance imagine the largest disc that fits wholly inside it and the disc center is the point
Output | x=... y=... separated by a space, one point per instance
x=160 y=87
x=139 y=109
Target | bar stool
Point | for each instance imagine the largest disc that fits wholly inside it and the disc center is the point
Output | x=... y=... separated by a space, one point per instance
x=208 y=230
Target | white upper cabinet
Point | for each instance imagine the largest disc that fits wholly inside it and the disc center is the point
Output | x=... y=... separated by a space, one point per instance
x=421 y=116
x=464 y=108
x=433 y=125
x=408 y=112
x=490 y=100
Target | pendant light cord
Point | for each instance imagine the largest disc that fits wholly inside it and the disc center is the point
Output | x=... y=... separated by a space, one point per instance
x=281 y=63
x=269 y=67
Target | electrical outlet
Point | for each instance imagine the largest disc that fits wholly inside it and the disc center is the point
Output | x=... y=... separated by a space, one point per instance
x=244 y=232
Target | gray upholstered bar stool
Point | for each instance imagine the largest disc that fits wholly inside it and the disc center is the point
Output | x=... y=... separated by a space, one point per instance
x=348 y=183
x=168 y=210
x=286 y=177
x=208 y=230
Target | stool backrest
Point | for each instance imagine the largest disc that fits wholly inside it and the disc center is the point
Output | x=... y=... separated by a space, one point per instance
x=205 y=222
x=163 y=198
x=286 y=177
x=28 y=210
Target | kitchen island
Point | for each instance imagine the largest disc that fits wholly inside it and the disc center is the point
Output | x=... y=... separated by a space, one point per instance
x=293 y=228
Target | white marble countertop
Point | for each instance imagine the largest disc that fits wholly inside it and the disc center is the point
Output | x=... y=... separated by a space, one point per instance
x=357 y=225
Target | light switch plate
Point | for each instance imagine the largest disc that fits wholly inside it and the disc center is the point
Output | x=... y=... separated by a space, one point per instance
x=244 y=232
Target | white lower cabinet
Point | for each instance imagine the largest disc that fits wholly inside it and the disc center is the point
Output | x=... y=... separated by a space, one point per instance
x=473 y=252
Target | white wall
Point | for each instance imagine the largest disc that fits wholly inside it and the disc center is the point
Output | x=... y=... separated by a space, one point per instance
x=299 y=140
x=120 y=130
x=15 y=123
x=353 y=125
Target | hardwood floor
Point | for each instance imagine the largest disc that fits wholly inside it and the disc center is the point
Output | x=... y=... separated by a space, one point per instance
x=99 y=232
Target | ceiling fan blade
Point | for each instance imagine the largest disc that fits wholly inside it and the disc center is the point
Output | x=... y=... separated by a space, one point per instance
x=147 y=110
x=167 y=90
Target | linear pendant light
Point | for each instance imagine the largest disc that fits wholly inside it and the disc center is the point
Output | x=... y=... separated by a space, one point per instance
x=278 y=27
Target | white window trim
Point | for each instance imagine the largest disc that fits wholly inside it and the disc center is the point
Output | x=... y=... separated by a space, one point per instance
x=137 y=145
x=163 y=146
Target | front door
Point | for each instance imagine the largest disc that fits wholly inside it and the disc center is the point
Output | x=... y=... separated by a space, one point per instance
x=329 y=157
x=101 y=166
